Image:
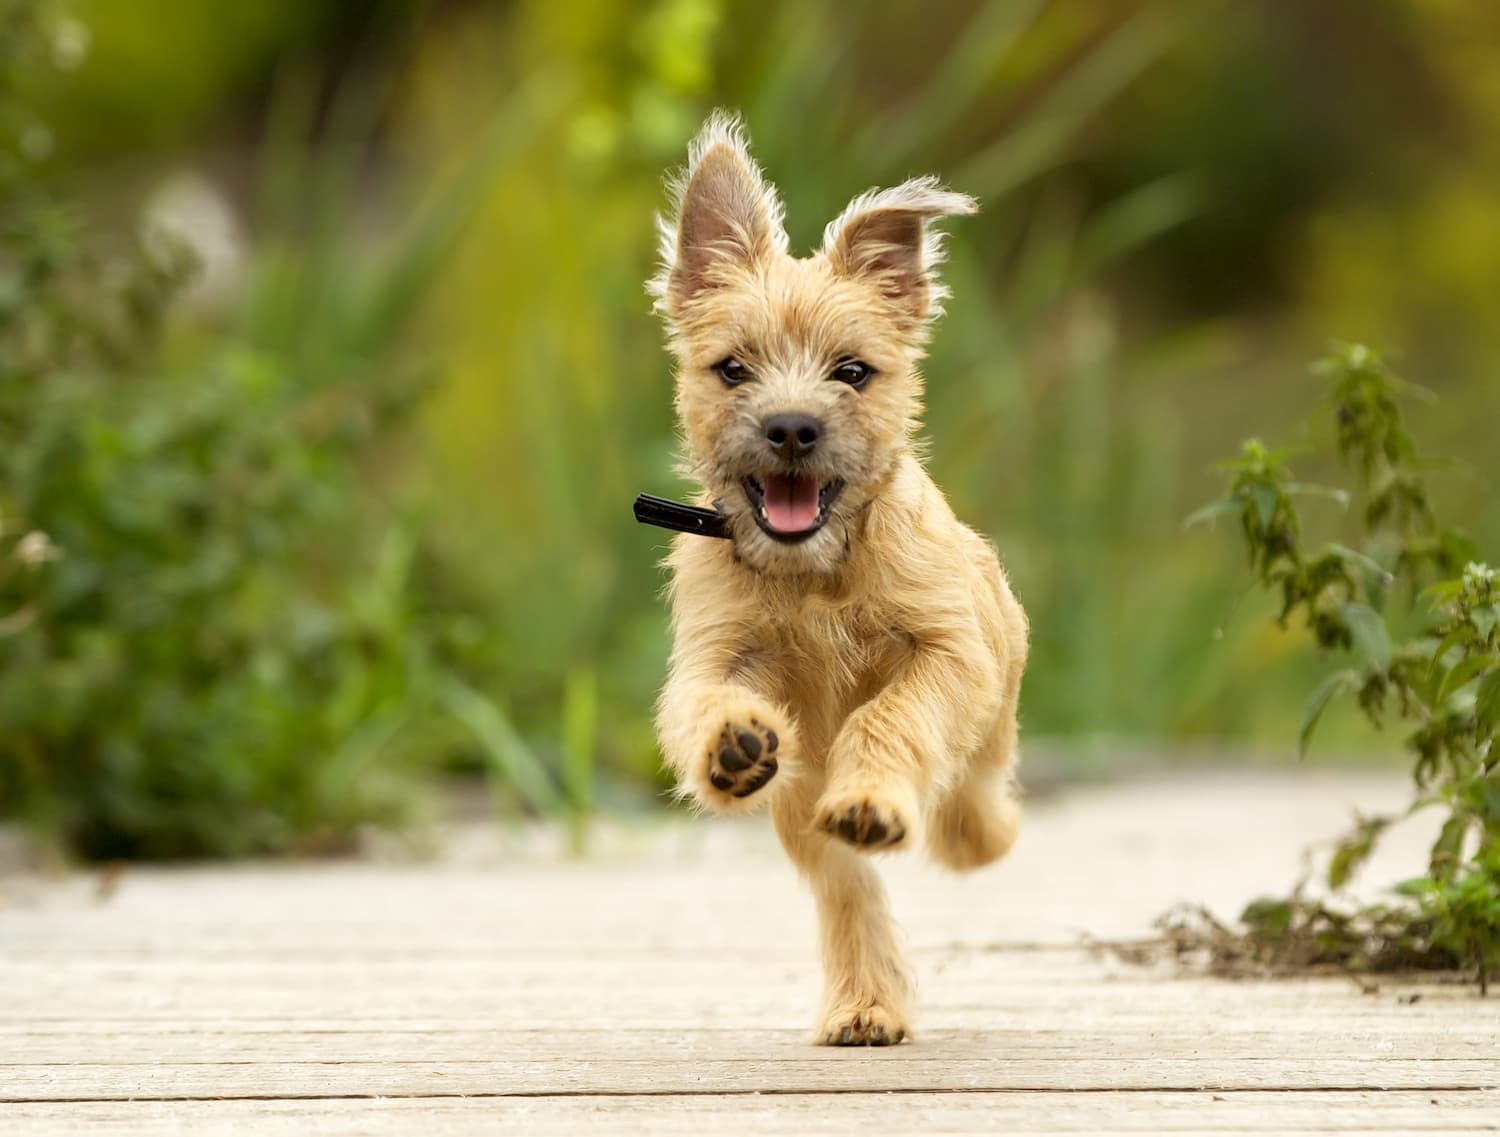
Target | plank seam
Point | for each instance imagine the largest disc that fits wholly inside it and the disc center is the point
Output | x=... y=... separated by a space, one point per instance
x=829 y=1092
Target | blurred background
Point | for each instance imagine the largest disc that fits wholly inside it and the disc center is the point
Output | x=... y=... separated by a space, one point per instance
x=327 y=375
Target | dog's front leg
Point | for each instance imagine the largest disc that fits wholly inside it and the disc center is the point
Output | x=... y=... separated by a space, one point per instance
x=866 y=983
x=722 y=735
x=905 y=740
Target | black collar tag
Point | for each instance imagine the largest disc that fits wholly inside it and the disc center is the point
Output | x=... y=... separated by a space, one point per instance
x=675 y=515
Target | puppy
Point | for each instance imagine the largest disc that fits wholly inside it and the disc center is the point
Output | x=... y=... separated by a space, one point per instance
x=852 y=656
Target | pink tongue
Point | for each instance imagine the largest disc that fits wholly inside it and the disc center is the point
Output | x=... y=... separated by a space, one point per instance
x=791 y=503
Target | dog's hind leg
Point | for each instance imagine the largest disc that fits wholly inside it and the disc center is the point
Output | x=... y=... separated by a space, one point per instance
x=976 y=821
x=867 y=986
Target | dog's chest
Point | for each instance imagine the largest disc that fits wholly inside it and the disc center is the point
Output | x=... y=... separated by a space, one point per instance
x=835 y=656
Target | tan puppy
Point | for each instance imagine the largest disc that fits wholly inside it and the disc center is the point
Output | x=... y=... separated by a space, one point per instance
x=853 y=655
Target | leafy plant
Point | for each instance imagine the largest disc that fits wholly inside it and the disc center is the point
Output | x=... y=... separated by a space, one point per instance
x=217 y=636
x=206 y=665
x=1442 y=681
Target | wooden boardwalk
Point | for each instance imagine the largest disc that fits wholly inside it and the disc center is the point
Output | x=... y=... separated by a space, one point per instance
x=667 y=985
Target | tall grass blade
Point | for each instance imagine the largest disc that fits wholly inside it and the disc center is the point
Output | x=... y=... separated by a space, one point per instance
x=439 y=224
x=1079 y=95
x=1135 y=219
x=580 y=714
x=959 y=81
x=506 y=753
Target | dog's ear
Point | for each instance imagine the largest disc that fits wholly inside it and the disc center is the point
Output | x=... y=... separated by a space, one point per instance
x=724 y=216
x=884 y=235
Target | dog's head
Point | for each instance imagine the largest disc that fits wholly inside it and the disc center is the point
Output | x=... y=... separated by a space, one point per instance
x=797 y=382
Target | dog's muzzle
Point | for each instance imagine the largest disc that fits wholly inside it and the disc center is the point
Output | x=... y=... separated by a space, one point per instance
x=790 y=508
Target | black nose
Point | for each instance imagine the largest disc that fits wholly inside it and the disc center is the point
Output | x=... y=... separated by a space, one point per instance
x=792 y=436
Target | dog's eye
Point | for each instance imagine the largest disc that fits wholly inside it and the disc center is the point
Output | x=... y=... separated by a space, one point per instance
x=732 y=371
x=853 y=372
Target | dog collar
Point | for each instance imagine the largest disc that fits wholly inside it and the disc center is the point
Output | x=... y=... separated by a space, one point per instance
x=680 y=517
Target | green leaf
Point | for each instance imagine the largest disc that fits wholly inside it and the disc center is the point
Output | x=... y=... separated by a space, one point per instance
x=1485 y=620
x=1416 y=886
x=1355 y=849
x=1368 y=563
x=1370 y=634
x=1464 y=673
x=1339 y=683
x=1210 y=511
x=1307 y=489
x=1437 y=679
x=1448 y=848
x=1264 y=499
x=1442 y=592
x=1456 y=638
x=1268 y=916
x=1487 y=700
x=1425 y=801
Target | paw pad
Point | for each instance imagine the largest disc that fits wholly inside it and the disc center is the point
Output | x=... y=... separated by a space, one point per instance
x=871 y=1028
x=743 y=758
x=864 y=823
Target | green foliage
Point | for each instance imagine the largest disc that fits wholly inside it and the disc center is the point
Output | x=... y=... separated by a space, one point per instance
x=475 y=182
x=1297 y=934
x=218 y=645
x=217 y=636
x=1443 y=680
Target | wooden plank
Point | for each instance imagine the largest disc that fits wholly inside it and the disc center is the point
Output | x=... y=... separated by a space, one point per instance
x=696 y=1067
x=1028 y=990
x=1187 y=1037
x=670 y=984
x=772 y=1115
x=1029 y=1027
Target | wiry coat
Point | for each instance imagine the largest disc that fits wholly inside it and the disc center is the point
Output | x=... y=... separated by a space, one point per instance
x=861 y=678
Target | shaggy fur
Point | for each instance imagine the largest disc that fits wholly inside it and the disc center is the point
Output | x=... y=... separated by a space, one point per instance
x=861 y=680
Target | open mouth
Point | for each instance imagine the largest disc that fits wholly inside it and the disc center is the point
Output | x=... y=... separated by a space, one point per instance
x=790 y=507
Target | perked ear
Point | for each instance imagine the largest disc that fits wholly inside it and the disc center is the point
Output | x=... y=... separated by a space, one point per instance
x=884 y=235
x=724 y=215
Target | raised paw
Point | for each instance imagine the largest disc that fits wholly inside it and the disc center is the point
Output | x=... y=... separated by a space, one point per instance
x=863 y=820
x=869 y=1026
x=743 y=758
